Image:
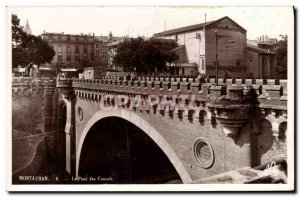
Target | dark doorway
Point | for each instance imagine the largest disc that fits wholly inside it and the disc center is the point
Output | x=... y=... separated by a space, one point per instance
x=119 y=152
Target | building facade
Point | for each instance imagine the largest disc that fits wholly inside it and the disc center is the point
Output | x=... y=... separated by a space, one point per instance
x=72 y=50
x=111 y=53
x=222 y=37
x=261 y=57
x=260 y=62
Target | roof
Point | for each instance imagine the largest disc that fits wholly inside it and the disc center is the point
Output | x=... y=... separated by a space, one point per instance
x=194 y=27
x=105 y=38
x=184 y=65
x=181 y=53
x=259 y=50
x=27 y=28
x=153 y=39
x=180 y=47
x=68 y=70
x=46 y=68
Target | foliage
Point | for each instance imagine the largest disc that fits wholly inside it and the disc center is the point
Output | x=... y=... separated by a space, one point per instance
x=144 y=55
x=28 y=50
x=281 y=59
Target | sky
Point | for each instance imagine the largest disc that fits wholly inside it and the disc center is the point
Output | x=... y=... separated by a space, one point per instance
x=145 y=21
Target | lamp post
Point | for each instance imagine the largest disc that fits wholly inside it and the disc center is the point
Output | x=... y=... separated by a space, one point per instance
x=198 y=37
x=216 y=61
x=218 y=37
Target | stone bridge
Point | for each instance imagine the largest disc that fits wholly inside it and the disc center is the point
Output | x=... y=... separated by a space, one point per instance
x=212 y=129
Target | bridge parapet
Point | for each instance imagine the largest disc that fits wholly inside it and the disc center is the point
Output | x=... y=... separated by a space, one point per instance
x=226 y=98
x=229 y=103
x=26 y=86
x=275 y=90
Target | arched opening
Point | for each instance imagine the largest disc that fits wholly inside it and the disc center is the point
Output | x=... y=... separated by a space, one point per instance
x=120 y=152
x=62 y=137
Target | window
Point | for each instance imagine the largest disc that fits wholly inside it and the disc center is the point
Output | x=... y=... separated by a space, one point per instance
x=68 y=58
x=59 y=49
x=59 y=38
x=85 y=50
x=77 y=58
x=59 y=58
x=92 y=56
x=202 y=64
x=68 y=49
x=238 y=63
x=77 y=49
x=68 y=39
x=97 y=46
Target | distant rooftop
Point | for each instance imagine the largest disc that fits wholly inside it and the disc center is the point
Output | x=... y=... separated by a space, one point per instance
x=193 y=27
x=259 y=50
x=68 y=69
x=100 y=38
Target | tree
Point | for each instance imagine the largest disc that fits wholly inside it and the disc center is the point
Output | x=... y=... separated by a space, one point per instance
x=281 y=58
x=145 y=55
x=28 y=50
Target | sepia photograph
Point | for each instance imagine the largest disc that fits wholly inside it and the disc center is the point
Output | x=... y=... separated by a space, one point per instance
x=150 y=98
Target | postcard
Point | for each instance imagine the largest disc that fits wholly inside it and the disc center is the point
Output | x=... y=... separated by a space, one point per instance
x=150 y=98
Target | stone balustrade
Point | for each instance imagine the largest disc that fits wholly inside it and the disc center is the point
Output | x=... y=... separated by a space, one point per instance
x=26 y=86
x=268 y=90
x=230 y=103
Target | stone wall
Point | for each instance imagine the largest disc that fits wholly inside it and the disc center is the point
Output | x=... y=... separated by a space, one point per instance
x=33 y=129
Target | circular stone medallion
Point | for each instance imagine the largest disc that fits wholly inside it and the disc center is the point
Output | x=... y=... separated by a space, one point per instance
x=203 y=153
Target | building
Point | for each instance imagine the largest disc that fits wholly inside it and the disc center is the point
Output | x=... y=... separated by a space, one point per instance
x=72 y=50
x=202 y=42
x=93 y=72
x=27 y=28
x=181 y=66
x=260 y=57
x=47 y=72
x=260 y=62
x=68 y=73
x=111 y=53
x=76 y=50
x=264 y=42
x=112 y=45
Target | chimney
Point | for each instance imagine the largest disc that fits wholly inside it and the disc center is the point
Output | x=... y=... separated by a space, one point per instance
x=62 y=33
x=44 y=31
x=93 y=34
x=81 y=34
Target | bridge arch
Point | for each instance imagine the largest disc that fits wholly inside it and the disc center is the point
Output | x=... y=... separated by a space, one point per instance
x=143 y=125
